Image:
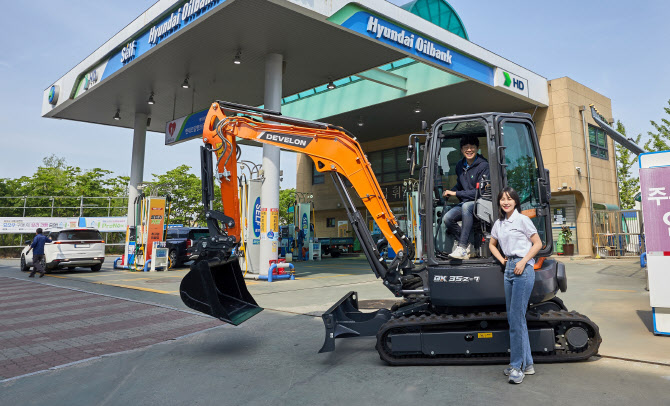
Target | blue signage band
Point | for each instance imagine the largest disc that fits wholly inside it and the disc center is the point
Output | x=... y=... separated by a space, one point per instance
x=419 y=46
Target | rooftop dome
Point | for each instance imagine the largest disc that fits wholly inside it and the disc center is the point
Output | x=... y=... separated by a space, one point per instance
x=438 y=12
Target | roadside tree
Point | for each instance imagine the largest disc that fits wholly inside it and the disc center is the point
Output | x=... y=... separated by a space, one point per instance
x=660 y=140
x=628 y=184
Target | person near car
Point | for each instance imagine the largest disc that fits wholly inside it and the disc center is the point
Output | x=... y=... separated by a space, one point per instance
x=517 y=236
x=39 y=260
x=469 y=171
x=300 y=242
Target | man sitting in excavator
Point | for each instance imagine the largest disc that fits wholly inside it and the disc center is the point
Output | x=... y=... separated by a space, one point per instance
x=469 y=172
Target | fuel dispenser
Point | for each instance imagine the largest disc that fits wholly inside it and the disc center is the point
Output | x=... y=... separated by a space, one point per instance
x=145 y=248
x=250 y=199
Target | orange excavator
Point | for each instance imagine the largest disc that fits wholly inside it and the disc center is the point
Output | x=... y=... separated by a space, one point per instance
x=450 y=311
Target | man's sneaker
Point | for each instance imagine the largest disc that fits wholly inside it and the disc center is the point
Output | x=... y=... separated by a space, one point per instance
x=459 y=253
x=515 y=376
x=530 y=370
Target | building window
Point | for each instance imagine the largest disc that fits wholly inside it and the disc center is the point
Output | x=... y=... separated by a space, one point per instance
x=598 y=141
x=317 y=177
x=330 y=222
x=390 y=165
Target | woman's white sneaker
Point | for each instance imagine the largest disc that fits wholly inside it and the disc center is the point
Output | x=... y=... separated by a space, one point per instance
x=530 y=370
x=515 y=376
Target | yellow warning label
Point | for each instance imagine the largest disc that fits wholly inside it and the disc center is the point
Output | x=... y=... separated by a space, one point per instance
x=274 y=220
x=484 y=335
x=264 y=221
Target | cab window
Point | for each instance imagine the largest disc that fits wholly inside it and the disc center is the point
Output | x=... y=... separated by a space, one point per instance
x=448 y=158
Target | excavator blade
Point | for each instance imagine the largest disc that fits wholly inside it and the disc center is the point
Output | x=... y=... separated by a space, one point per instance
x=216 y=287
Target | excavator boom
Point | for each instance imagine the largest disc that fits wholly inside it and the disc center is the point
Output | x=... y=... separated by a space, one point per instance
x=332 y=149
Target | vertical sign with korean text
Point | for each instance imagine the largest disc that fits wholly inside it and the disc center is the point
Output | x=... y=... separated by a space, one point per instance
x=264 y=223
x=655 y=197
x=155 y=221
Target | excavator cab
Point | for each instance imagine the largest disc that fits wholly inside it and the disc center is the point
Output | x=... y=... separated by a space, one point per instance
x=509 y=143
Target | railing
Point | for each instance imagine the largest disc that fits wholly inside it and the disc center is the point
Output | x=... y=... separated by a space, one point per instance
x=60 y=206
x=14 y=206
x=618 y=233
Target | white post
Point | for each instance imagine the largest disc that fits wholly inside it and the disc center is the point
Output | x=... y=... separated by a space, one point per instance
x=136 y=163
x=270 y=187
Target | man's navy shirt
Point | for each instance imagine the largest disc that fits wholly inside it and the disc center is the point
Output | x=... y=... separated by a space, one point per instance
x=38 y=244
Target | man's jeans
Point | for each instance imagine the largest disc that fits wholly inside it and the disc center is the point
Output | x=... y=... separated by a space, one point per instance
x=461 y=212
x=517 y=294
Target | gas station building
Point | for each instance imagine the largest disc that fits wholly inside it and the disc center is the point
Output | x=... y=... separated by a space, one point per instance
x=373 y=68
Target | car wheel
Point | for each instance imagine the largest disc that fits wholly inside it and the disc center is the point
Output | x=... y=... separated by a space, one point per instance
x=174 y=262
x=96 y=268
x=24 y=265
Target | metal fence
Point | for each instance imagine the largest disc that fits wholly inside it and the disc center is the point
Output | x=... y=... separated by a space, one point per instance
x=60 y=206
x=618 y=233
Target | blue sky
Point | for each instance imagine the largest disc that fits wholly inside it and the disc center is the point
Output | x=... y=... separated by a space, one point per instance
x=617 y=48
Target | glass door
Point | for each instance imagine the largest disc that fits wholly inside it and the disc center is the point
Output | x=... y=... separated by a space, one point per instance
x=523 y=171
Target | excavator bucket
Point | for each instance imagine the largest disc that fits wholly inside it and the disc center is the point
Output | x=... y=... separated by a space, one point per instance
x=216 y=287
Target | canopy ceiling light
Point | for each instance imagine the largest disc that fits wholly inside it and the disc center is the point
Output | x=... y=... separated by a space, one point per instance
x=360 y=122
x=331 y=85
x=185 y=84
x=417 y=109
x=238 y=57
x=117 y=116
x=151 y=99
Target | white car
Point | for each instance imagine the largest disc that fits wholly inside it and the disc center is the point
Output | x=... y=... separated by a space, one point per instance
x=71 y=247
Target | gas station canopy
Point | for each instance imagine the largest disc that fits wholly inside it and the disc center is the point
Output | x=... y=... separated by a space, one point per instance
x=200 y=41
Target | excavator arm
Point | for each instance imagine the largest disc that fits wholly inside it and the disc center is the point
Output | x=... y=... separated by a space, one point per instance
x=331 y=148
x=215 y=285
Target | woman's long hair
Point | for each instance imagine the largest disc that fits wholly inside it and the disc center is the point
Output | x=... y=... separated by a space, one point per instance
x=514 y=196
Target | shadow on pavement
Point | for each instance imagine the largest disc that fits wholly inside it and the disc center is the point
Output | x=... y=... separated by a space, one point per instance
x=647 y=319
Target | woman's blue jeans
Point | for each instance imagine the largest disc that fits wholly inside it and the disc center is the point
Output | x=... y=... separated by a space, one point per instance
x=517 y=294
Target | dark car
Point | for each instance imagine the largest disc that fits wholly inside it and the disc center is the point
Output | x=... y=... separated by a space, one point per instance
x=180 y=239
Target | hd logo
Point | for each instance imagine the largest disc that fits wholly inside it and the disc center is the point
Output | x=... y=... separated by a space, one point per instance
x=517 y=83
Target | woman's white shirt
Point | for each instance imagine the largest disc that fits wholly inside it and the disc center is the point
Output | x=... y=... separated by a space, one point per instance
x=513 y=235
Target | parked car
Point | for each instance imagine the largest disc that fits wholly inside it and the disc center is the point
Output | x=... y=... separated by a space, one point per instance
x=180 y=239
x=336 y=245
x=71 y=248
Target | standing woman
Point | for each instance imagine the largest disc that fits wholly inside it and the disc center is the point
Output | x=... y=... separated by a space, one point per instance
x=520 y=242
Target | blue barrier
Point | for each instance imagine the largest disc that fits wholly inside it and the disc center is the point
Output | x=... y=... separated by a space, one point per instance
x=119 y=267
x=270 y=277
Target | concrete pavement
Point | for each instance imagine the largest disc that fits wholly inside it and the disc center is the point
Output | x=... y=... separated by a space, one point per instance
x=273 y=359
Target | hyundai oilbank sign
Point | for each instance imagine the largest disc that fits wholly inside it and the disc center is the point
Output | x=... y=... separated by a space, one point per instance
x=421 y=47
x=182 y=15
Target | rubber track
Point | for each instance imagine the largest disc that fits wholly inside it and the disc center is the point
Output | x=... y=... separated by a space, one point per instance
x=553 y=319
